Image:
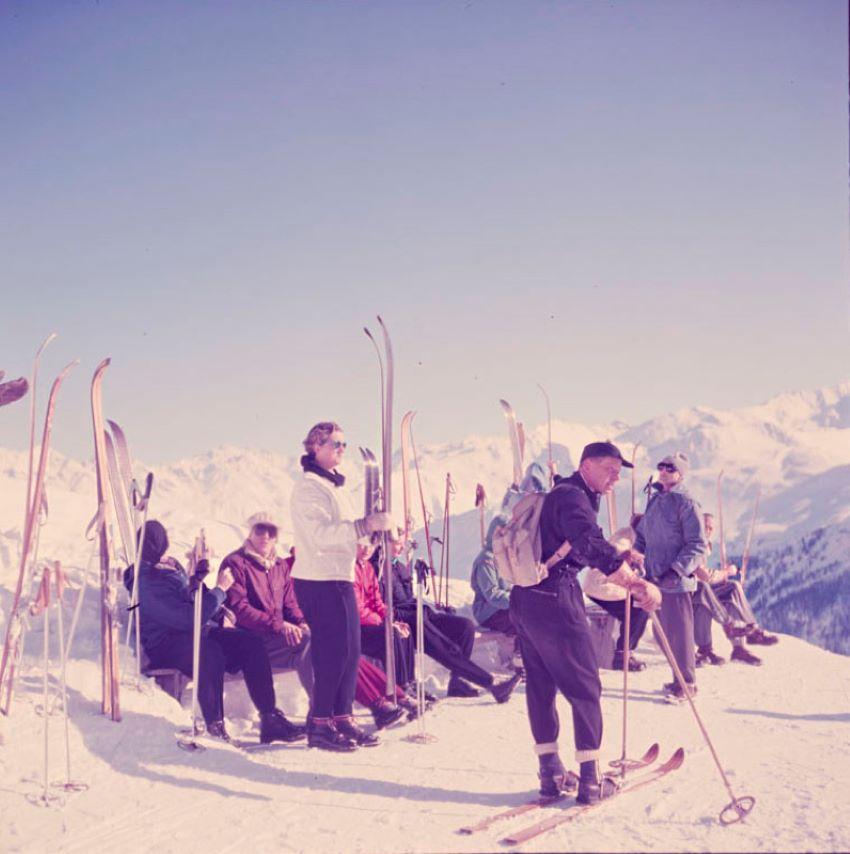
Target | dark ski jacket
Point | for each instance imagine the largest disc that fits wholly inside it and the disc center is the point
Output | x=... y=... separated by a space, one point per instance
x=262 y=599
x=166 y=604
x=569 y=513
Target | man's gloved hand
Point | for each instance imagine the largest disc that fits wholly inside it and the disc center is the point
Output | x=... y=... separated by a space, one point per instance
x=645 y=595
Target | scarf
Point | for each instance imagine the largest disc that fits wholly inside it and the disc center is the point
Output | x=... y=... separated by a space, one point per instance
x=308 y=463
x=266 y=562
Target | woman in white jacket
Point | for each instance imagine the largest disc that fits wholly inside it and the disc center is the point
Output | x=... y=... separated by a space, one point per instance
x=326 y=536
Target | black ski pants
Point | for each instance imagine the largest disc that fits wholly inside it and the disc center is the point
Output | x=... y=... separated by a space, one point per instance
x=222 y=650
x=297 y=657
x=373 y=644
x=330 y=609
x=449 y=639
x=558 y=656
x=637 y=620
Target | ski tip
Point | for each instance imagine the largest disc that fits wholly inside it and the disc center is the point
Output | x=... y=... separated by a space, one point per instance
x=675 y=761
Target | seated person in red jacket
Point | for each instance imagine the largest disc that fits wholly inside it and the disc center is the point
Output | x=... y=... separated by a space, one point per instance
x=373 y=613
x=262 y=599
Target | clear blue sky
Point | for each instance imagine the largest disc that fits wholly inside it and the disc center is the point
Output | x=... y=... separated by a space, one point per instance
x=642 y=205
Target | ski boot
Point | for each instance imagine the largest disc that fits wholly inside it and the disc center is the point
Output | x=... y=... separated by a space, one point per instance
x=761 y=637
x=461 y=688
x=635 y=664
x=217 y=730
x=502 y=691
x=274 y=726
x=592 y=787
x=707 y=655
x=742 y=654
x=385 y=714
x=555 y=780
x=323 y=734
x=347 y=727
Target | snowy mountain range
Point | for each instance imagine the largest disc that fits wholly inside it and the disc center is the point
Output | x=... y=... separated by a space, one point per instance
x=795 y=447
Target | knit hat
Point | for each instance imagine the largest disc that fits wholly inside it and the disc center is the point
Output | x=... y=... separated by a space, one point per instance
x=679 y=461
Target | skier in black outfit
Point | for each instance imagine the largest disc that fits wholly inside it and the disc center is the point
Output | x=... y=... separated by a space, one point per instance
x=166 y=621
x=448 y=639
x=552 y=624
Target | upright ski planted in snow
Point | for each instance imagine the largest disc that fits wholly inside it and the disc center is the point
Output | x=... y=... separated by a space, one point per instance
x=110 y=703
x=14 y=628
x=386 y=361
x=514 y=436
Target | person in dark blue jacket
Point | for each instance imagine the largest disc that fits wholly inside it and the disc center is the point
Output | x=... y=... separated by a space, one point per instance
x=552 y=624
x=166 y=619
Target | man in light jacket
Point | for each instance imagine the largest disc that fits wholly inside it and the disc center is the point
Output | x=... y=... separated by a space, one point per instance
x=670 y=535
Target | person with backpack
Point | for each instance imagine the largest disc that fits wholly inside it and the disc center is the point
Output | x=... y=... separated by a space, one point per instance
x=547 y=607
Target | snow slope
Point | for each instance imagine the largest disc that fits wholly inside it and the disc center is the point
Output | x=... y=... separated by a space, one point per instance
x=780 y=732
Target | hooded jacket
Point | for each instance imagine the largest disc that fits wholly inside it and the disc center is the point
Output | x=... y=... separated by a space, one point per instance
x=671 y=537
x=166 y=605
x=492 y=592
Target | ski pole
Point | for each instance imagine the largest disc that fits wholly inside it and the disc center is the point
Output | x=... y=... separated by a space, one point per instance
x=421 y=569
x=745 y=559
x=69 y=785
x=634 y=496
x=191 y=744
x=722 y=532
x=94 y=527
x=144 y=503
x=738 y=808
x=481 y=503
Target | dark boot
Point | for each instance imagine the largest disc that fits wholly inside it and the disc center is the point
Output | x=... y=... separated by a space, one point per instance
x=324 y=735
x=461 y=688
x=706 y=655
x=761 y=637
x=742 y=654
x=554 y=778
x=274 y=726
x=411 y=706
x=635 y=664
x=737 y=629
x=502 y=691
x=385 y=714
x=216 y=729
x=592 y=787
x=346 y=726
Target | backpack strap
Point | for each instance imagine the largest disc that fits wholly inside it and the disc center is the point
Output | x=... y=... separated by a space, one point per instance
x=562 y=551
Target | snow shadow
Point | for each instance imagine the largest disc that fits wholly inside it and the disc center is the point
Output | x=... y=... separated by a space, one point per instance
x=141 y=742
x=837 y=717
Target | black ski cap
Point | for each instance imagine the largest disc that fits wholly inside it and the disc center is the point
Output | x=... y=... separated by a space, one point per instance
x=604 y=449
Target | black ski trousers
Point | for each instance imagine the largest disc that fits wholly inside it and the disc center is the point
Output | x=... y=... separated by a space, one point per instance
x=373 y=644
x=297 y=657
x=558 y=656
x=449 y=640
x=330 y=609
x=637 y=620
x=229 y=650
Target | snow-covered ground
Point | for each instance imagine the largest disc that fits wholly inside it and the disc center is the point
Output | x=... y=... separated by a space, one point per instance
x=781 y=733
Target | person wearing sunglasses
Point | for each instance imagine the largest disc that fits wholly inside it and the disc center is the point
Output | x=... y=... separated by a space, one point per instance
x=326 y=533
x=262 y=601
x=671 y=537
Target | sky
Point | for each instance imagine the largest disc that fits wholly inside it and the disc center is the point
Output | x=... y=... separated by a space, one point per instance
x=641 y=205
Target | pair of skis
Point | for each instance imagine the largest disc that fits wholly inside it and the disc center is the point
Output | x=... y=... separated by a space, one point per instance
x=386 y=371
x=131 y=512
x=649 y=773
x=35 y=514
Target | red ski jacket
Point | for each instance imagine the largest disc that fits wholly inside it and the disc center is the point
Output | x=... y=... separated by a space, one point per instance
x=368 y=593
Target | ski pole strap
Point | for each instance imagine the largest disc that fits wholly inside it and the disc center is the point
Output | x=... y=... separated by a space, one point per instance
x=132 y=607
x=563 y=550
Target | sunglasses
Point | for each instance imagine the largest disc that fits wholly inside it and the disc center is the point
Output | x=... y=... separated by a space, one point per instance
x=263 y=528
x=337 y=446
x=667 y=467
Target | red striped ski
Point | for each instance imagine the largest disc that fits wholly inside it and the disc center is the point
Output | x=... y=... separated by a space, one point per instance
x=652 y=775
x=647 y=759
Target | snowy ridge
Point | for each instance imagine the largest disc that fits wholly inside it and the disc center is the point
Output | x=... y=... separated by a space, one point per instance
x=796 y=446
